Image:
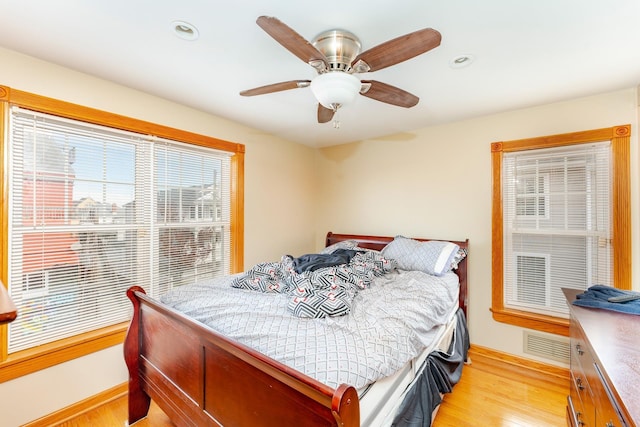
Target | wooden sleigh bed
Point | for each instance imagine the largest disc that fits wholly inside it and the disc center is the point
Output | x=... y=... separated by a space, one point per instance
x=201 y=378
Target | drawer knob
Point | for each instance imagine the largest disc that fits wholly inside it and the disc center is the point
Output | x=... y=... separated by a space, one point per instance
x=610 y=424
x=579 y=384
x=579 y=349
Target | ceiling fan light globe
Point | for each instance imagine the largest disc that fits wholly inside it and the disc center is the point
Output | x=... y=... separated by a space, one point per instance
x=335 y=87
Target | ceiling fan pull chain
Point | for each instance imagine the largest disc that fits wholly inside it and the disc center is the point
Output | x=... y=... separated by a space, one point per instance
x=336 y=119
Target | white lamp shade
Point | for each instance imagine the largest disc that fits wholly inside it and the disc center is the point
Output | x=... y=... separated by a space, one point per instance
x=335 y=88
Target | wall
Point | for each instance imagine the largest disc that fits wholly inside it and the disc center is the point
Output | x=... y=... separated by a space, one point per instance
x=38 y=394
x=436 y=182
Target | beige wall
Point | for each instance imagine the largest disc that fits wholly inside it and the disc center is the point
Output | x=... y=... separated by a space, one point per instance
x=436 y=182
x=270 y=229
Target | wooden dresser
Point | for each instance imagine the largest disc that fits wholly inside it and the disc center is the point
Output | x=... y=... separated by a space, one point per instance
x=605 y=367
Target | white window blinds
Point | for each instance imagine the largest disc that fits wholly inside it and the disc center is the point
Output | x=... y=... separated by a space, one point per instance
x=193 y=214
x=557 y=224
x=94 y=210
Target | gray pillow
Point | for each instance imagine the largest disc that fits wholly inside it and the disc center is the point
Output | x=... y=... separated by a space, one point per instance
x=433 y=257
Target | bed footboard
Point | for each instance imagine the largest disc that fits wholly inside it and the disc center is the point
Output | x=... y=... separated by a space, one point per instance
x=199 y=377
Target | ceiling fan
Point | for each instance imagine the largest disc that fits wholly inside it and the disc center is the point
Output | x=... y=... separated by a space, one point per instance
x=336 y=57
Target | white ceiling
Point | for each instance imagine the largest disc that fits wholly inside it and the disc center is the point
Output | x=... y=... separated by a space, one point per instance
x=526 y=53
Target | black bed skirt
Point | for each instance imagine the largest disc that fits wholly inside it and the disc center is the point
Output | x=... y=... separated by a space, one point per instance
x=442 y=370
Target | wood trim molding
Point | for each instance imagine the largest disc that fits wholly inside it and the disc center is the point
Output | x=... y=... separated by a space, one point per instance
x=237 y=212
x=4 y=218
x=538 y=322
x=80 y=408
x=48 y=355
x=622 y=268
x=497 y=261
x=4 y=93
x=104 y=118
x=479 y=352
x=558 y=140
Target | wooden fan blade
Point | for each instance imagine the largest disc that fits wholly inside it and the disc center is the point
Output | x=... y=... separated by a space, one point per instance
x=324 y=114
x=276 y=87
x=390 y=94
x=291 y=40
x=399 y=49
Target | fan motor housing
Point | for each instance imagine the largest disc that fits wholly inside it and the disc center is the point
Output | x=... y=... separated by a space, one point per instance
x=339 y=47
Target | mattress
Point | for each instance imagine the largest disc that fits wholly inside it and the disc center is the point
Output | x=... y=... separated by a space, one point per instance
x=392 y=323
x=379 y=401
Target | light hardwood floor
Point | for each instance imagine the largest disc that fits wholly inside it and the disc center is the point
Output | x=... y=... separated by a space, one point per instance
x=497 y=394
x=490 y=394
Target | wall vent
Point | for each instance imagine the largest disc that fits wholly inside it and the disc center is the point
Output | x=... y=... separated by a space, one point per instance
x=548 y=346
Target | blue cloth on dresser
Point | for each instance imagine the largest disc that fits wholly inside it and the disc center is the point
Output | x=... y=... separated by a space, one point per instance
x=596 y=297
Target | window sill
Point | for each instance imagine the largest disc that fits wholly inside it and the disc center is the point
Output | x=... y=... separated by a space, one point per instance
x=32 y=360
x=538 y=322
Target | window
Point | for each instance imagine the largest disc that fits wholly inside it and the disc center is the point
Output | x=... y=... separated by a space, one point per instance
x=561 y=219
x=531 y=198
x=95 y=209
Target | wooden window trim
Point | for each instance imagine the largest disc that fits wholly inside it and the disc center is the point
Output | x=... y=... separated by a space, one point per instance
x=45 y=356
x=620 y=137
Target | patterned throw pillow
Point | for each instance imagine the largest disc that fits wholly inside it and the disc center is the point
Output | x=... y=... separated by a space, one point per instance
x=263 y=277
x=320 y=303
x=458 y=257
x=345 y=244
x=433 y=257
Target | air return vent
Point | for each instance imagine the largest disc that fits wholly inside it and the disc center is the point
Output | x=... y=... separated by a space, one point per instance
x=548 y=346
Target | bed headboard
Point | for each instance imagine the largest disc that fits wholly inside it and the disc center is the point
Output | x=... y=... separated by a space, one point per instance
x=379 y=242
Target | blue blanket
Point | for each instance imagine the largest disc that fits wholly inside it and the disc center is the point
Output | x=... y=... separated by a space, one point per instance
x=596 y=297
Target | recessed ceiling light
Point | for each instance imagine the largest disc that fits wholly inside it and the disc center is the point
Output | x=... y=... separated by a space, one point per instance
x=461 y=61
x=184 y=30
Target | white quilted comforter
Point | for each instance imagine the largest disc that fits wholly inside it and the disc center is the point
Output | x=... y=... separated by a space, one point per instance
x=390 y=323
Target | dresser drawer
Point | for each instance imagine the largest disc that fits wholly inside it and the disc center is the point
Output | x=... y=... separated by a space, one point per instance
x=582 y=400
x=582 y=374
x=607 y=414
x=573 y=412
